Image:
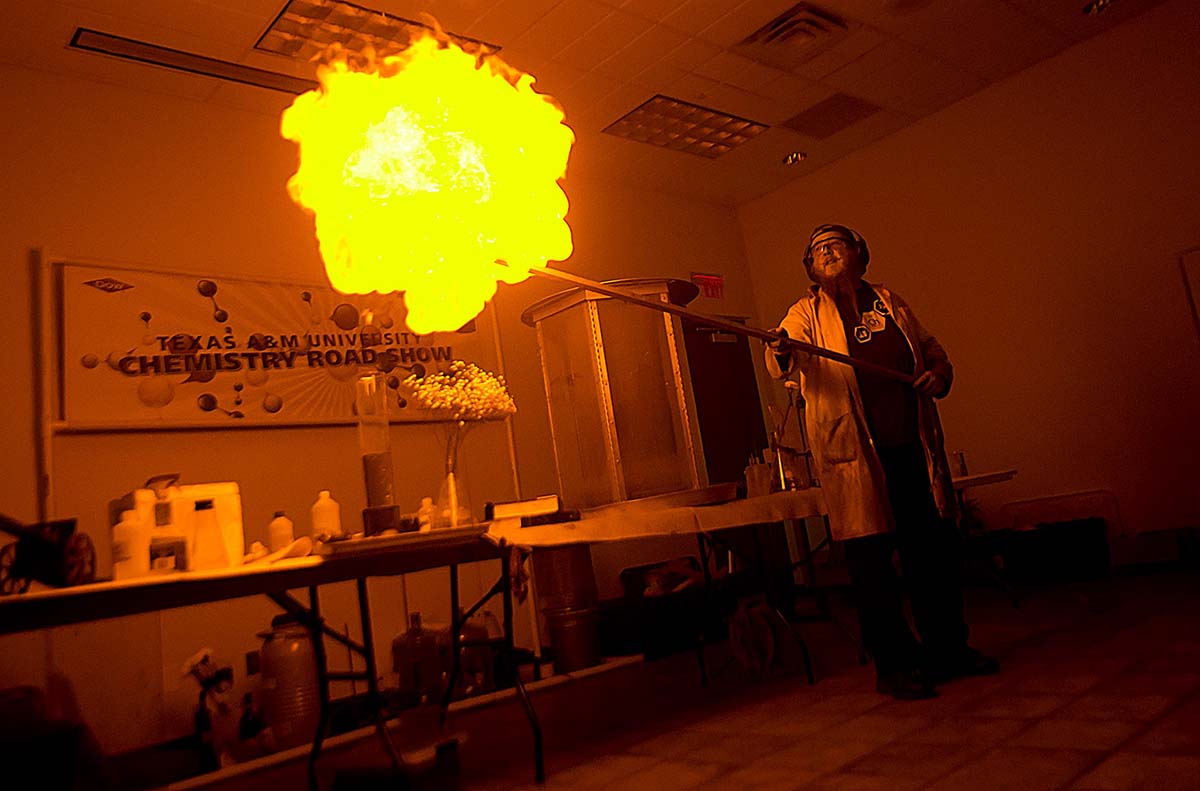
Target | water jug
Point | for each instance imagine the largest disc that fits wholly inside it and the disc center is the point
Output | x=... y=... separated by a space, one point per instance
x=420 y=660
x=288 y=691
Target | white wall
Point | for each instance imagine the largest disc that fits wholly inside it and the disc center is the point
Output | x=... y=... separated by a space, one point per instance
x=1035 y=229
x=141 y=178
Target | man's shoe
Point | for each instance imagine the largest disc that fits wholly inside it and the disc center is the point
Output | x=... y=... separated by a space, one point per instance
x=905 y=685
x=967 y=662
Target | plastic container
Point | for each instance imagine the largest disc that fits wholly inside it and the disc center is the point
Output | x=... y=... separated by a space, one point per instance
x=326 y=516
x=209 y=544
x=420 y=660
x=280 y=532
x=476 y=656
x=130 y=547
x=288 y=692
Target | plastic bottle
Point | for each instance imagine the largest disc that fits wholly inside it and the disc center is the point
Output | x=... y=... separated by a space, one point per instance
x=280 y=532
x=326 y=516
x=130 y=547
x=425 y=514
x=210 y=552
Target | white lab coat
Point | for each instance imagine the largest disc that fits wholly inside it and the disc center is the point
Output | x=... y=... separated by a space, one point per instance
x=845 y=460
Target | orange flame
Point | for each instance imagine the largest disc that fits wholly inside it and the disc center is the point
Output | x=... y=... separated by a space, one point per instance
x=423 y=170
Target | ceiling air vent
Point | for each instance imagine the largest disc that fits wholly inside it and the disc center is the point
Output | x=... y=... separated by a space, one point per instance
x=828 y=117
x=795 y=36
x=682 y=126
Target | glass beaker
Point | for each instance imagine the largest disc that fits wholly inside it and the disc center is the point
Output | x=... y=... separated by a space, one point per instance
x=375 y=445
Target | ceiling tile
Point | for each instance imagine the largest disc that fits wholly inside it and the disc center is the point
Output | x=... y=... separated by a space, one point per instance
x=562 y=25
x=854 y=46
x=916 y=83
x=695 y=89
x=659 y=76
x=508 y=19
x=692 y=53
x=694 y=16
x=724 y=67
x=825 y=119
x=655 y=10
x=639 y=54
x=882 y=57
x=579 y=98
x=613 y=33
x=612 y=105
x=796 y=92
x=249 y=98
x=756 y=78
x=744 y=104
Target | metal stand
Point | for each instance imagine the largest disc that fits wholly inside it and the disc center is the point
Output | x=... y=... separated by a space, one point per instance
x=708 y=544
x=807 y=561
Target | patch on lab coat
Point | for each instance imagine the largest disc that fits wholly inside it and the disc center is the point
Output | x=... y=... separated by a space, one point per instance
x=874 y=321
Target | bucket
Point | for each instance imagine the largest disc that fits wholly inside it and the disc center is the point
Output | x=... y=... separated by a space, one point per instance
x=564 y=577
x=574 y=638
x=291 y=700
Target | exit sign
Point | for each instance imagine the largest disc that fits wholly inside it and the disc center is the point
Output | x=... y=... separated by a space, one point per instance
x=711 y=286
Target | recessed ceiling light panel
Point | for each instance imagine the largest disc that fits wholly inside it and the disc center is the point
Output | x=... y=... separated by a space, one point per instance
x=682 y=126
x=304 y=29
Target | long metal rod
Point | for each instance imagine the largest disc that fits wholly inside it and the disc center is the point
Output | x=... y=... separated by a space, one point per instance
x=721 y=324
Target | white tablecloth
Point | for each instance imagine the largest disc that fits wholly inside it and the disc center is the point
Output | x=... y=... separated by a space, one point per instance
x=626 y=521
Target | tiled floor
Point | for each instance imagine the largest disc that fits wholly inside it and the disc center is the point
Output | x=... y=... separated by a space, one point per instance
x=1100 y=692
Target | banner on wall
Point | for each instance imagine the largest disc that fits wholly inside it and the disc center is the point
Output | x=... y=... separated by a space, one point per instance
x=148 y=349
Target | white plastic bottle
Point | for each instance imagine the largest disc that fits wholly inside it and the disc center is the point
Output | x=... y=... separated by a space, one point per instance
x=326 y=516
x=130 y=547
x=281 y=532
x=210 y=552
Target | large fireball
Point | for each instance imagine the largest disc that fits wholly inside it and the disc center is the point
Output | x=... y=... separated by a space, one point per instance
x=426 y=168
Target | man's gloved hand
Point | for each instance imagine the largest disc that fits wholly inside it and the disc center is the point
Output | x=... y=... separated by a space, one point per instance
x=780 y=345
x=931 y=384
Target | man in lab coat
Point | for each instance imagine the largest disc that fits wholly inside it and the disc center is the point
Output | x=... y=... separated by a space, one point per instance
x=877 y=444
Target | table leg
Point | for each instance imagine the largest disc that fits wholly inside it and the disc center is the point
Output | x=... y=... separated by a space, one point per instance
x=455 y=627
x=318 y=638
x=535 y=727
x=702 y=547
x=972 y=561
x=374 y=700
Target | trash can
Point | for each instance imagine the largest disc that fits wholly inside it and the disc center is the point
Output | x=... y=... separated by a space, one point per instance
x=574 y=638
